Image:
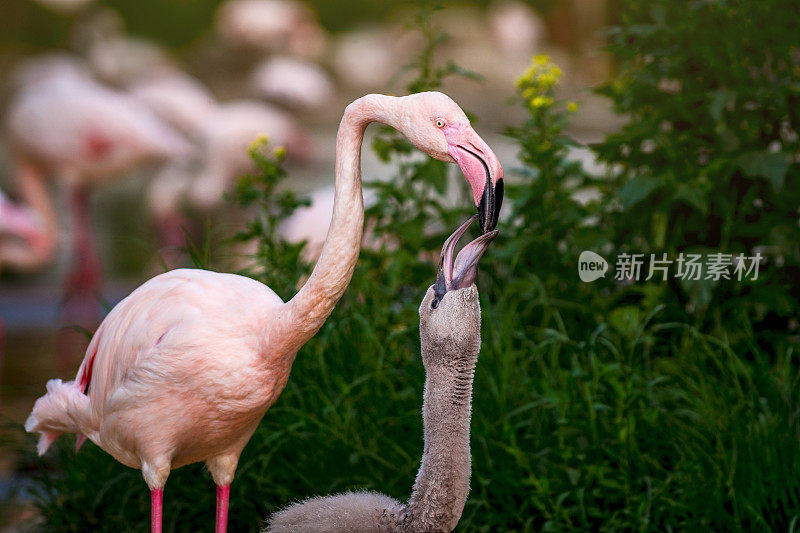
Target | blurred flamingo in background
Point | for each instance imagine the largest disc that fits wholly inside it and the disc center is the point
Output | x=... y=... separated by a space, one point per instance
x=310 y=223
x=224 y=140
x=177 y=98
x=65 y=6
x=27 y=243
x=114 y=56
x=292 y=82
x=49 y=66
x=516 y=29
x=220 y=157
x=278 y=26
x=185 y=367
x=27 y=240
x=147 y=73
x=367 y=58
x=80 y=133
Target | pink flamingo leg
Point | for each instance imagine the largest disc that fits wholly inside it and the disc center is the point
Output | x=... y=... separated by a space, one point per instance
x=223 y=498
x=2 y=347
x=156 y=501
x=86 y=277
x=81 y=305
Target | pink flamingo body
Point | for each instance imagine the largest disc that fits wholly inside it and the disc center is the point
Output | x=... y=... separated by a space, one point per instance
x=153 y=336
x=183 y=369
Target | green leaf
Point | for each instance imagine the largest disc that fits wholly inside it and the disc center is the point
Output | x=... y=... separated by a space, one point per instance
x=637 y=189
x=436 y=172
x=772 y=166
x=720 y=100
x=699 y=291
x=691 y=196
x=625 y=320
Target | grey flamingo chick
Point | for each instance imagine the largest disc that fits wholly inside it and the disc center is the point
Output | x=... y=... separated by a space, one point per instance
x=449 y=327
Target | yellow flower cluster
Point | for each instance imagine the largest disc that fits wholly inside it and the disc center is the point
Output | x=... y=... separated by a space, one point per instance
x=279 y=152
x=537 y=82
x=260 y=141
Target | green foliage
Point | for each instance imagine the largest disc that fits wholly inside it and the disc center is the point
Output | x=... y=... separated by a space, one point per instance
x=430 y=76
x=546 y=227
x=276 y=262
x=597 y=407
x=707 y=159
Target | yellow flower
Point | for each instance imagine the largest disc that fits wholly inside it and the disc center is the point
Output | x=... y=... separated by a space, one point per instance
x=261 y=140
x=542 y=101
x=526 y=77
x=547 y=80
x=279 y=152
x=536 y=84
x=572 y=106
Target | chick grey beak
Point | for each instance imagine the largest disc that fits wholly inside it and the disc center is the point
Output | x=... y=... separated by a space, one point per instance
x=458 y=273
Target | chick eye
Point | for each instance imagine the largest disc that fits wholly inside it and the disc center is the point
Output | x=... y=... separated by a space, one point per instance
x=434 y=303
x=440 y=123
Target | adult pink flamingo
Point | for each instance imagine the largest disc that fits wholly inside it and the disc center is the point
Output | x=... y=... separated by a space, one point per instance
x=185 y=367
x=81 y=133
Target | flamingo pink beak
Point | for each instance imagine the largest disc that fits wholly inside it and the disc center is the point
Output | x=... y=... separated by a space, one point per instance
x=461 y=272
x=482 y=170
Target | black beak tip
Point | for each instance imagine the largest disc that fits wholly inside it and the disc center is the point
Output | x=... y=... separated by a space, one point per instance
x=489 y=208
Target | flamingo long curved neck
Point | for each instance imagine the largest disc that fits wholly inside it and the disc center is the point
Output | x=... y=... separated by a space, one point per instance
x=303 y=315
x=442 y=484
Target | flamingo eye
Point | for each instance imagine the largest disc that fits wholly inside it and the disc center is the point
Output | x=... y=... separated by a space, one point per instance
x=440 y=123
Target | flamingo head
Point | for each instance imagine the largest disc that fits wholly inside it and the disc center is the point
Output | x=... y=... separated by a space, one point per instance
x=458 y=272
x=450 y=312
x=435 y=124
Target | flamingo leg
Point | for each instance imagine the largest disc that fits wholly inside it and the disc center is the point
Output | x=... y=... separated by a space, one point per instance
x=223 y=498
x=80 y=305
x=156 y=503
x=86 y=276
x=2 y=347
